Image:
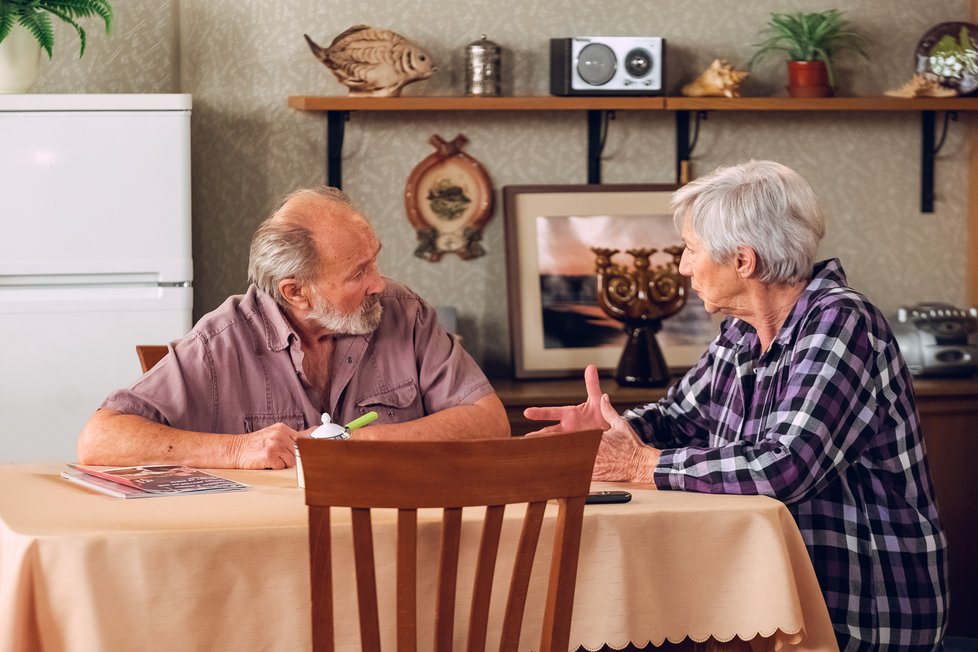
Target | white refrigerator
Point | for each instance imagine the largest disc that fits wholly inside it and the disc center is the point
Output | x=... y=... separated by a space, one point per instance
x=95 y=255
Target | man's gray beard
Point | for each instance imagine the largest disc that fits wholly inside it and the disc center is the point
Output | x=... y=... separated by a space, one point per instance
x=362 y=321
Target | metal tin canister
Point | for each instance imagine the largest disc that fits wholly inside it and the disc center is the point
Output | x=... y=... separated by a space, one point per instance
x=483 y=60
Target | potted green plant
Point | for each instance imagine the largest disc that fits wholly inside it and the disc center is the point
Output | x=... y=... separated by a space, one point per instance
x=26 y=27
x=810 y=40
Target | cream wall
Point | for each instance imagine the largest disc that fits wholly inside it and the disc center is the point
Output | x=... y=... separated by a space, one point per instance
x=241 y=59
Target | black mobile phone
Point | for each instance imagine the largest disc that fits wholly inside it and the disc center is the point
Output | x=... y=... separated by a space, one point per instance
x=601 y=497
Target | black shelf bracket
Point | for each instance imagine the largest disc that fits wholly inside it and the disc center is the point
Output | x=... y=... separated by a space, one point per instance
x=685 y=145
x=335 y=126
x=597 y=135
x=929 y=150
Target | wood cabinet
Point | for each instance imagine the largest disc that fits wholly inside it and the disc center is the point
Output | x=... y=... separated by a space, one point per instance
x=949 y=415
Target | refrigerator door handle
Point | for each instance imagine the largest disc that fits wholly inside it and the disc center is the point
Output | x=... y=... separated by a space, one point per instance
x=114 y=279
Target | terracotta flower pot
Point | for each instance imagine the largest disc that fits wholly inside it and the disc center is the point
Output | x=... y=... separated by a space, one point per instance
x=808 y=79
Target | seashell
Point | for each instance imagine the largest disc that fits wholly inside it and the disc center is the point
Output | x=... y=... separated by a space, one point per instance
x=373 y=62
x=719 y=80
x=922 y=85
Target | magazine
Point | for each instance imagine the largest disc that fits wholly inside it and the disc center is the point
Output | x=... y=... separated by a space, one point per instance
x=149 y=481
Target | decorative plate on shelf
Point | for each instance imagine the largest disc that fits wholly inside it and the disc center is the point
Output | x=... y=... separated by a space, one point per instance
x=448 y=200
x=949 y=52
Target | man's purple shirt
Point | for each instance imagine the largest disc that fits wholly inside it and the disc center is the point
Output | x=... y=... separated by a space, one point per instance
x=240 y=370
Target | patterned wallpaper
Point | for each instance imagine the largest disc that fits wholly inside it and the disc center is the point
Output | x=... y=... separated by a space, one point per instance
x=241 y=59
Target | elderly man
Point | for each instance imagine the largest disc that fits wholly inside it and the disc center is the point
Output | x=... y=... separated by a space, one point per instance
x=803 y=397
x=319 y=330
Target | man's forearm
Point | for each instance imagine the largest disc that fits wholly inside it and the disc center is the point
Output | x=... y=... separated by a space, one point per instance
x=115 y=439
x=486 y=418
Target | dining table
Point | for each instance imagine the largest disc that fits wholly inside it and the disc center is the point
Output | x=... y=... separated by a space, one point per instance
x=84 y=571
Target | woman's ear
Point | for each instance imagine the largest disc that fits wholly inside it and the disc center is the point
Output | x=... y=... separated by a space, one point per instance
x=295 y=294
x=746 y=262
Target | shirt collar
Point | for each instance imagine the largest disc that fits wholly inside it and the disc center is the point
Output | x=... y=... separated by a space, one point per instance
x=278 y=330
x=826 y=275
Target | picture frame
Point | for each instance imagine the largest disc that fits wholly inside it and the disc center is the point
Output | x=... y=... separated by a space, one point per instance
x=555 y=331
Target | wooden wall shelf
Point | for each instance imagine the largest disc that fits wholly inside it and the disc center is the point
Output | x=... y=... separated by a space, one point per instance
x=338 y=109
x=468 y=103
x=554 y=103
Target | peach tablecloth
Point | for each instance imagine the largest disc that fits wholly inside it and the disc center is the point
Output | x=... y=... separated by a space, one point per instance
x=84 y=571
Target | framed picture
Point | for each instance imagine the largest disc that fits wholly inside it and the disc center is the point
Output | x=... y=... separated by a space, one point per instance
x=556 y=325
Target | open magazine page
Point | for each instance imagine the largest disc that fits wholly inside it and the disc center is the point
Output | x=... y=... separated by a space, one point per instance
x=155 y=480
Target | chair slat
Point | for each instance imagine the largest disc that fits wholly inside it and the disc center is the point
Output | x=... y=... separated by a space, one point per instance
x=451 y=534
x=484 y=570
x=526 y=550
x=363 y=556
x=407 y=580
x=321 y=567
x=563 y=575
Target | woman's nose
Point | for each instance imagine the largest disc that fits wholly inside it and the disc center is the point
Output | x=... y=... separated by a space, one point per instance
x=685 y=268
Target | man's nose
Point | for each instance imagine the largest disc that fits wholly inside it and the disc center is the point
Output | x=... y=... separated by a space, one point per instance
x=377 y=283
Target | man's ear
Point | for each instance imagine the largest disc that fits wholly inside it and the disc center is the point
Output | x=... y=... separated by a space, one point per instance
x=746 y=262
x=295 y=294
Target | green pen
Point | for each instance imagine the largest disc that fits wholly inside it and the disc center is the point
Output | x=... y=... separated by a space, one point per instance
x=361 y=421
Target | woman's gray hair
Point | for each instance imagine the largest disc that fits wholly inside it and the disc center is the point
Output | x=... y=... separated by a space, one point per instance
x=758 y=204
x=282 y=248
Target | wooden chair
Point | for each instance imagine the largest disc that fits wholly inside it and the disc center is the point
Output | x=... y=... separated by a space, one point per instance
x=149 y=355
x=450 y=475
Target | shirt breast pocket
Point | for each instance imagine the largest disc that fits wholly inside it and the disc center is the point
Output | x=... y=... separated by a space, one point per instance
x=394 y=405
x=255 y=422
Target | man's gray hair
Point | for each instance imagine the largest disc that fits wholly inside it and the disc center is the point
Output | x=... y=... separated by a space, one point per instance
x=283 y=248
x=758 y=204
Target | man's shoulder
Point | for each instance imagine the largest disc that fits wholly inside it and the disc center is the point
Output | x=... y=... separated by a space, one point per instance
x=235 y=309
x=398 y=291
x=252 y=315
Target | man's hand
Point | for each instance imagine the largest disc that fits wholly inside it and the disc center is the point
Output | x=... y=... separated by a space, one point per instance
x=268 y=448
x=585 y=416
x=622 y=456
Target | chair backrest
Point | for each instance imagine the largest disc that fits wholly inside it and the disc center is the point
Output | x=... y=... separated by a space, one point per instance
x=451 y=475
x=149 y=355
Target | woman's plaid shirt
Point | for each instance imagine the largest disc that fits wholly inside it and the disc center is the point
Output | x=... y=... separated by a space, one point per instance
x=825 y=421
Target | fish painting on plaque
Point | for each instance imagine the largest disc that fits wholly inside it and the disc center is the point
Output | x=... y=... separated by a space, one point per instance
x=448 y=199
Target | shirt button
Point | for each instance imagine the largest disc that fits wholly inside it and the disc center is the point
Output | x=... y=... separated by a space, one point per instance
x=349 y=360
x=390 y=412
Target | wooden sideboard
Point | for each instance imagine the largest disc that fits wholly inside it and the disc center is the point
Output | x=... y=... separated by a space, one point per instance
x=949 y=414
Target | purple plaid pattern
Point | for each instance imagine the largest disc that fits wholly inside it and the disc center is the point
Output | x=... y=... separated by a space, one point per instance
x=826 y=422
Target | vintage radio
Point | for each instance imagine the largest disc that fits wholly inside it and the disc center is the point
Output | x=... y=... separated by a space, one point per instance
x=937 y=339
x=607 y=65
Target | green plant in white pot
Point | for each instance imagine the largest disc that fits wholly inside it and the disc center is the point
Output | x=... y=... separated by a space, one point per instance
x=26 y=27
x=810 y=40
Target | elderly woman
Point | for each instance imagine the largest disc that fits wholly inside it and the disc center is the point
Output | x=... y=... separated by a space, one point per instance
x=803 y=397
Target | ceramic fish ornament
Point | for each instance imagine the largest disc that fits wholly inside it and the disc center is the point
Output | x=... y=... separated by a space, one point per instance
x=374 y=62
x=719 y=80
x=922 y=85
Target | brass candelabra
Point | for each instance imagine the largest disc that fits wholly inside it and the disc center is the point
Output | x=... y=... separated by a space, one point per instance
x=641 y=298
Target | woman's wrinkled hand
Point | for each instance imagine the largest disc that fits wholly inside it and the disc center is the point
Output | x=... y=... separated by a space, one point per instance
x=622 y=456
x=572 y=418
